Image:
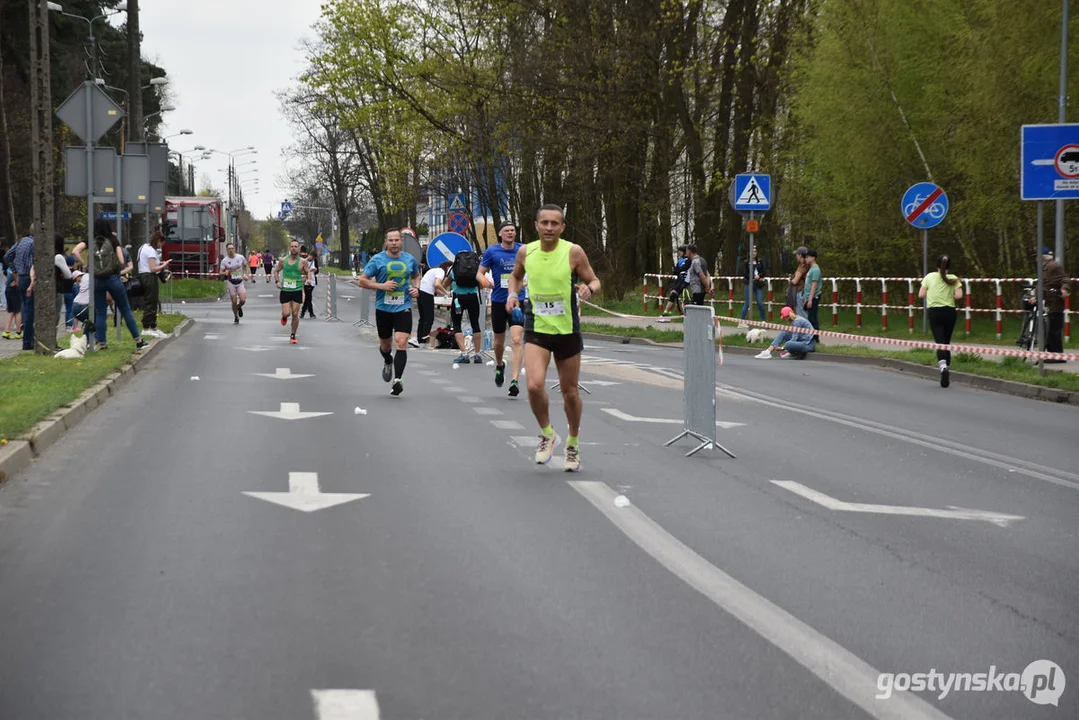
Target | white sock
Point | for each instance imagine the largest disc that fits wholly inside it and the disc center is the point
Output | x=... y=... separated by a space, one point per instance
x=943 y=364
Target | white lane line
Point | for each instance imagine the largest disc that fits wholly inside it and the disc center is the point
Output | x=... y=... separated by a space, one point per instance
x=840 y=669
x=665 y=421
x=487 y=411
x=954 y=513
x=469 y=399
x=211 y=337
x=525 y=441
x=1011 y=464
x=440 y=381
x=507 y=425
x=345 y=704
x=427 y=373
x=454 y=389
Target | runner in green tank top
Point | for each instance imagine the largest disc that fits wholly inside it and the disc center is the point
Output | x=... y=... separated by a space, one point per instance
x=289 y=275
x=552 y=326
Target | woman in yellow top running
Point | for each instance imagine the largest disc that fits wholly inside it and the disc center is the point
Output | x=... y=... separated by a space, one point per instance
x=942 y=290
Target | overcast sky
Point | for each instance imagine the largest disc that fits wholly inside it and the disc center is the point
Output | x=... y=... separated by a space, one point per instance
x=225 y=59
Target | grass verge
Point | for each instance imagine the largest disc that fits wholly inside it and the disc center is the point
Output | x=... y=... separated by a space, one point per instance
x=1007 y=369
x=193 y=288
x=34 y=386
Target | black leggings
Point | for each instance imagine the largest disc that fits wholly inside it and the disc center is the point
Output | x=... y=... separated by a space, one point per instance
x=308 y=296
x=427 y=315
x=942 y=323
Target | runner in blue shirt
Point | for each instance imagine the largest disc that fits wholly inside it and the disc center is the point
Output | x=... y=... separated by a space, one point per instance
x=395 y=277
x=500 y=260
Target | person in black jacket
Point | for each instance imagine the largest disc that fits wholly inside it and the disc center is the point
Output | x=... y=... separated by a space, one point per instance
x=753 y=274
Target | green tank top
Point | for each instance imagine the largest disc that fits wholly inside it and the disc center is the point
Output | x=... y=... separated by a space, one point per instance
x=552 y=307
x=291 y=277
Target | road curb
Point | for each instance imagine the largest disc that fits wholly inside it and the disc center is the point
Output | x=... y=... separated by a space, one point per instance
x=981 y=382
x=19 y=453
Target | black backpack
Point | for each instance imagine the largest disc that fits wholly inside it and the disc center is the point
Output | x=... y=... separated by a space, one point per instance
x=444 y=339
x=466 y=266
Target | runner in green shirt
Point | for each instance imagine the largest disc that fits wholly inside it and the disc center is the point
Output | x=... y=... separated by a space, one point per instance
x=289 y=275
x=552 y=325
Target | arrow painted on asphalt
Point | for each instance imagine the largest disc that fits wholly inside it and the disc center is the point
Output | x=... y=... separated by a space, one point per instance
x=664 y=421
x=303 y=495
x=282 y=374
x=953 y=513
x=288 y=411
x=345 y=704
x=603 y=383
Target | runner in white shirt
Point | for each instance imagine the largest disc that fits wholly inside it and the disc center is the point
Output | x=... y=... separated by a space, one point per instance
x=234 y=270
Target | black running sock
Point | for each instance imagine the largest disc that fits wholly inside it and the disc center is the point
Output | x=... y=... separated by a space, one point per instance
x=399 y=361
x=387 y=356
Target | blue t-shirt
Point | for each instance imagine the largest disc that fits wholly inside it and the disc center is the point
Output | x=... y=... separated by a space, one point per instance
x=501 y=262
x=383 y=268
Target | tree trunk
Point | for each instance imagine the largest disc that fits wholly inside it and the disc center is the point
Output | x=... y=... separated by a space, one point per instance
x=8 y=228
x=45 y=305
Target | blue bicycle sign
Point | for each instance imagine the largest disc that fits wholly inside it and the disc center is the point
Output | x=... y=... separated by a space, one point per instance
x=924 y=205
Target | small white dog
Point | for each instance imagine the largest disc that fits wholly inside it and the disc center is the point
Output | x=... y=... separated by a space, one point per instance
x=756 y=335
x=77 y=349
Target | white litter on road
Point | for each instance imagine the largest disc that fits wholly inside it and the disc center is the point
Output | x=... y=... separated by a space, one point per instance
x=490 y=363
x=621 y=501
x=360 y=411
x=456 y=366
x=194 y=377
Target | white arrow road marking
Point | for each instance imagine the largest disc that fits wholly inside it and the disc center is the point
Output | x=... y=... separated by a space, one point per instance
x=266 y=295
x=507 y=425
x=211 y=337
x=603 y=383
x=282 y=374
x=953 y=513
x=842 y=670
x=345 y=704
x=303 y=495
x=288 y=411
x=665 y=421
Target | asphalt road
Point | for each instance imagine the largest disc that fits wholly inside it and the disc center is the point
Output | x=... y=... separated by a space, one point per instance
x=138 y=580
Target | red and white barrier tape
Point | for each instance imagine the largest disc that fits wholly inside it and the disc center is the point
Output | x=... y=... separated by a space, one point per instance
x=919 y=344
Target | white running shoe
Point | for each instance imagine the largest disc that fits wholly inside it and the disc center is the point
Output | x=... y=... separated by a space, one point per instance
x=571 y=461
x=764 y=355
x=546 y=448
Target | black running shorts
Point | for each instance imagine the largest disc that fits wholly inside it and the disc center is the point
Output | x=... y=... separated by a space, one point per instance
x=563 y=347
x=291 y=296
x=500 y=318
x=389 y=323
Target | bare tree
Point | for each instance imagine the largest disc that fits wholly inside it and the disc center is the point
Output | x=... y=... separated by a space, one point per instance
x=45 y=310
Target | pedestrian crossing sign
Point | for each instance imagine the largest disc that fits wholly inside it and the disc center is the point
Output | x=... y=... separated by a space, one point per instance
x=456 y=202
x=752 y=192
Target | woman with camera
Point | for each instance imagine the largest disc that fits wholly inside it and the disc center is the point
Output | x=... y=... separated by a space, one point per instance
x=150 y=266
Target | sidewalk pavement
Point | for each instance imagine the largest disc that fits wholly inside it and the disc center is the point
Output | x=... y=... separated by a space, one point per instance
x=11 y=348
x=730 y=328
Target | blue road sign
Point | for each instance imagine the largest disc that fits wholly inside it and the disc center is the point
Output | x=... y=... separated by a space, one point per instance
x=457 y=223
x=445 y=246
x=456 y=202
x=286 y=208
x=1049 y=168
x=111 y=215
x=752 y=192
x=924 y=205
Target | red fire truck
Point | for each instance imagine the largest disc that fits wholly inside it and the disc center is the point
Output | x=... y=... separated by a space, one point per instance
x=194 y=230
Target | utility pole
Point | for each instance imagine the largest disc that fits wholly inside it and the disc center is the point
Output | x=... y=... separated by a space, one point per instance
x=1062 y=105
x=45 y=310
x=139 y=223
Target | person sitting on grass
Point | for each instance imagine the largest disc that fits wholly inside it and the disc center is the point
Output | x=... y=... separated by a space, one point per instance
x=795 y=344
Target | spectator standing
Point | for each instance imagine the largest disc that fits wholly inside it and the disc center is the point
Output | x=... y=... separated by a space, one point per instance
x=941 y=290
x=1056 y=288
x=697 y=274
x=753 y=274
x=108 y=265
x=149 y=266
x=309 y=282
x=64 y=286
x=13 y=300
x=21 y=259
x=812 y=291
x=3 y=275
x=796 y=283
x=81 y=306
x=430 y=286
x=674 y=298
